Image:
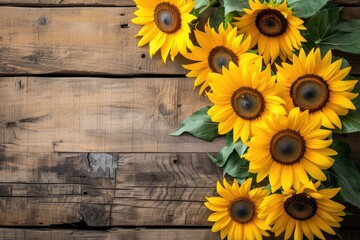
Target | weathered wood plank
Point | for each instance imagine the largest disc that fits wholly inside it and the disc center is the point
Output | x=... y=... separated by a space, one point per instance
x=102 y=115
x=132 y=233
x=113 y=234
x=98 y=115
x=166 y=170
x=151 y=190
x=348 y=2
x=76 y=41
x=83 y=41
x=121 y=3
x=44 y=189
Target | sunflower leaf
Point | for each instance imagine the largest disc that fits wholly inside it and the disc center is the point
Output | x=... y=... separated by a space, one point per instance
x=351 y=121
x=327 y=31
x=199 y=125
x=345 y=173
x=236 y=166
x=202 y=3
x=235 y=6
x=218 y=17
x=229 y=158
x=306 y=8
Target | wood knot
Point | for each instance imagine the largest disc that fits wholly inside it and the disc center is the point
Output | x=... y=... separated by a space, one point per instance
x=42 y=21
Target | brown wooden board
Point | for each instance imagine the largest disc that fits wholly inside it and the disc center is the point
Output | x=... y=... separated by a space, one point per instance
x=133 y=233
x=68 y=2
x=75 y=41
x=102 y=2
x=82 y=41
x=41 y=189
x=99 y=115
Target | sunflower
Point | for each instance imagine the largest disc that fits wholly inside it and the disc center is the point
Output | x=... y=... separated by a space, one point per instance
x=315 y=84
x=306 y=210
x=237 y=211
x=287 y=148
x=216 y=50
x=243 y=95
x=165 y=25
x=273 y=27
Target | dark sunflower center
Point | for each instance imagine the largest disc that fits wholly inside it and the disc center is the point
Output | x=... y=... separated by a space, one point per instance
x=271 y=22
x=300 y=206
x=310 y=92
x=248 y=103
x=287 y=147
x=221 y=56
x=242 y=211
x=167 y=17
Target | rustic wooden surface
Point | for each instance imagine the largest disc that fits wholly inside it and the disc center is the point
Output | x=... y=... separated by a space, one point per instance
x=85 y=117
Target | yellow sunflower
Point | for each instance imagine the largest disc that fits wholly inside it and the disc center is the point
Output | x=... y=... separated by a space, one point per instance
x=215 y=50
x=237 y=211
x=243 y=95
x=287 y=148
x=315 y=84
x=273 y=27
x=165 y=25
x=303 y=211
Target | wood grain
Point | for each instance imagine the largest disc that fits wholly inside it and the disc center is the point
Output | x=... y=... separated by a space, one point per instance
x=99 y=115
x=96 y=3
x=42 y=189
x=167 y=189
x=132 y=233
x=75 y=41
x=80 y=41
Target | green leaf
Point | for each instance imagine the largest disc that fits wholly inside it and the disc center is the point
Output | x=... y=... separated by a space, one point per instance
x=218 y=17
x=229 y=158
x=327 y=31
x=345 y=173
x=351 y=121
x=236 y=166
x=235 y=6
x=202 y=3
x=199 y=124
x=306 y=8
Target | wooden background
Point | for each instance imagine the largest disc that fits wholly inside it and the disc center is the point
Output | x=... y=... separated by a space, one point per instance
x=85 y=117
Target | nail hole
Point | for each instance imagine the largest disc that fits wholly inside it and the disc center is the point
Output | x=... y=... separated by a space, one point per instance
x=85 y=193
x=143 y=55
x=124 y=25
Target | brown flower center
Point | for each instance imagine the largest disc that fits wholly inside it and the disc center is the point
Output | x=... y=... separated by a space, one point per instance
x=271 y=22
x=310 y=92
x=300 y=206
x=167 y=17
x=221 y=56
x=248 y=103
x=242 y=210
x=287 y=147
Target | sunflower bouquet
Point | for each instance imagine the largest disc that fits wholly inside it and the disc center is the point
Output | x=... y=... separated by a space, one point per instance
x=279 y=96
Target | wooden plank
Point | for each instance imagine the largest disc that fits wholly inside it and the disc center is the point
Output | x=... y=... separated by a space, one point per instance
x=121 y=3
x=133 y=233
x=98 y=115
x=112 y=234
x=348 y=2
x=150 y=190
x=41 y=189
x=35 y=187
x=75 y=41
x=82 y=41
x=103 y=115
